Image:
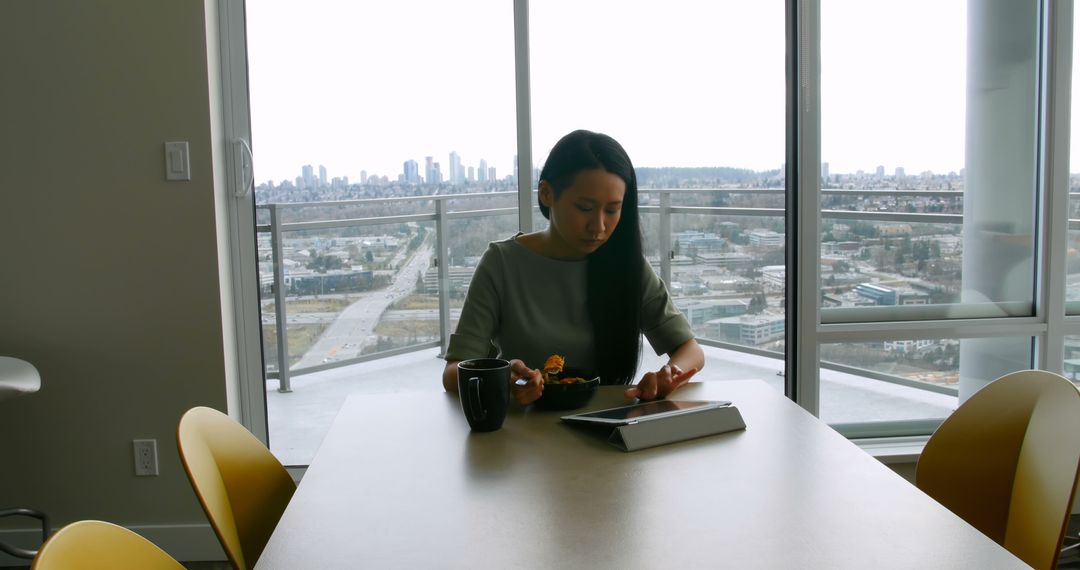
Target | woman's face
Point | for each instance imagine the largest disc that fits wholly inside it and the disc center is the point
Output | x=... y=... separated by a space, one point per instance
x=585 y=214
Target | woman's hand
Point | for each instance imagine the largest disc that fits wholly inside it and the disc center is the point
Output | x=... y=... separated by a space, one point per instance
x=661 y=383
x=533 y=386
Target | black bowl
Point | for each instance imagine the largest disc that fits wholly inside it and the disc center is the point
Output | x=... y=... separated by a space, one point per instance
x=568 y=396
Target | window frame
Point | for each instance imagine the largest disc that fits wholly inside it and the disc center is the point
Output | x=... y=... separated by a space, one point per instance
x=805 y=328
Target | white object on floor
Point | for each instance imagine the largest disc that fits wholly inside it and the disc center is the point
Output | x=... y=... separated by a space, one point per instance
x=17 y=377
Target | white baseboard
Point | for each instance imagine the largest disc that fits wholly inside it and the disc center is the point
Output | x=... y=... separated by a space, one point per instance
x=184 y=542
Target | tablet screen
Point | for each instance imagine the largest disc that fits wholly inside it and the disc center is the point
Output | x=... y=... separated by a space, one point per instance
x=643 y=410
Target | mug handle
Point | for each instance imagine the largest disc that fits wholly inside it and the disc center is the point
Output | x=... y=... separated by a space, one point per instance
x=474 y=402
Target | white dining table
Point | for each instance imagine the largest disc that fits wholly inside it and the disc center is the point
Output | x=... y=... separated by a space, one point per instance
x=401 y=482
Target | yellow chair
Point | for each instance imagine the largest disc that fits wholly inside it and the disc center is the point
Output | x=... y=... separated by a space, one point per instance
x=242 y=487
x=1007 y=460
x=98 y=545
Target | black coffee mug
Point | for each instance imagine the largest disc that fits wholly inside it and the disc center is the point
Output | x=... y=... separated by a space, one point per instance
x=484 y=390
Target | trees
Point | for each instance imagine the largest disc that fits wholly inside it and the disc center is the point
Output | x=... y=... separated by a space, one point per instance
x=758 y=303
x=323 y=263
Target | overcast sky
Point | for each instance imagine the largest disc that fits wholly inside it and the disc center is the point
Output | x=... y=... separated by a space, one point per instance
x=367 y=85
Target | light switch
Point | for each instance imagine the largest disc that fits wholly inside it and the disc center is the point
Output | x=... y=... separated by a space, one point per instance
x=177 y=165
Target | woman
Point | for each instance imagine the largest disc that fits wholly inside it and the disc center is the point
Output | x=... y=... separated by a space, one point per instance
x=580 y=288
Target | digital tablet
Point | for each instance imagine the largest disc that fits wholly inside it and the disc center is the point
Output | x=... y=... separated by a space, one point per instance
x=642 y=412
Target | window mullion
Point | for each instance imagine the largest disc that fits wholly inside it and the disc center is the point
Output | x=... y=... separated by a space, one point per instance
x=524 y=114
x=1054 y=118
x=803 y=189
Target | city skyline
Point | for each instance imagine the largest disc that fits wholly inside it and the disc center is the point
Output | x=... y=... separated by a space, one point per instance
x=410 y=173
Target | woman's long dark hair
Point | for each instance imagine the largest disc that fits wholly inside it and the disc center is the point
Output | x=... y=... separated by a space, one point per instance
x=614 y=270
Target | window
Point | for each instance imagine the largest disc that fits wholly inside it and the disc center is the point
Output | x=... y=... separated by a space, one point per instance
x=367 y=118
x=386 y=158
x=695 y=93
x=1072 y=259
x=928 y=191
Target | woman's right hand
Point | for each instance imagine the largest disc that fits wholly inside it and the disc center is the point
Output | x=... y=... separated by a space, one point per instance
x=528 y=391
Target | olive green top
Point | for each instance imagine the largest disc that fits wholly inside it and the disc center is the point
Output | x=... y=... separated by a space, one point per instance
x=521 y=304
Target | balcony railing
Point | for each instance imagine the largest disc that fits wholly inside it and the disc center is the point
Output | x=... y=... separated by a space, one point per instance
x=435 y=209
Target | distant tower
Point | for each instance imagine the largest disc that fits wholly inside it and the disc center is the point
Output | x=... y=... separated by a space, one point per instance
x=491 y=174
x=322 y=175
x=363 y=177
x=880 y=172
x=483 y=171
x=412 y=172
x=825 y=170
x=436 y=175
x=456 y=175
x=309 y=176
x=472 y=174
x=429 y=170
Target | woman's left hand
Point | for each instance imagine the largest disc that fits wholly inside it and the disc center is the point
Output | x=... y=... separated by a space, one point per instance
x=661 y=383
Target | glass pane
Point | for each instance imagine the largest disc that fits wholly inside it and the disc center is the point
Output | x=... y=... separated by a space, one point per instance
x=1071 y=367
x=341 y=289
x=727 y=276
x=356 y=99
x=928 y=159
x=909 y=382
x=695 y=93
x=361 y=110
x=1072 y=268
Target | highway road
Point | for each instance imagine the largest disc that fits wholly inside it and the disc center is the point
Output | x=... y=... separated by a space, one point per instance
x=354 y=328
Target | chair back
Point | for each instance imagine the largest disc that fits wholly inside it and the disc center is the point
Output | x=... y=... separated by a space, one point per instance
x=98 y=545
x=1007 y=461
x=242 y=487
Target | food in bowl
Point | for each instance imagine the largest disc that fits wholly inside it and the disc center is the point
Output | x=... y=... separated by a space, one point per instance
x=553 y=371
x=567 y=380
x=565 y=388
x=552 y=367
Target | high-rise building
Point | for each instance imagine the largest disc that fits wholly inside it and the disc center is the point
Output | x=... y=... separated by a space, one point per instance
x=436 y=175
x=322 y=175
x=824 y=170
x=472 y=174
x=363 y=177
x=900 y=172
x=412 y=172
x=880 y=172
x=429 y=170
x=491 y=174
x=456 y=176
x=483 y=172
x=515 y=168
x=309 y=176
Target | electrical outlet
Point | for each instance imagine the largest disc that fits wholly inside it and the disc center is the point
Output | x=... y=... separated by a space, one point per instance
x=145 y=457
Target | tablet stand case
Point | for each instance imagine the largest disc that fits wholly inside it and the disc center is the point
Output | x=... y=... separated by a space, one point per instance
x=650 y=433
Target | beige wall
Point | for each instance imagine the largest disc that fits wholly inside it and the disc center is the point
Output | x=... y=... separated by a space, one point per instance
x=108 y=274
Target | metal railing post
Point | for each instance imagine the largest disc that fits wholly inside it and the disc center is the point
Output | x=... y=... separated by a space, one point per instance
x=279 y=302
x=667 y=253
x=442 y=264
